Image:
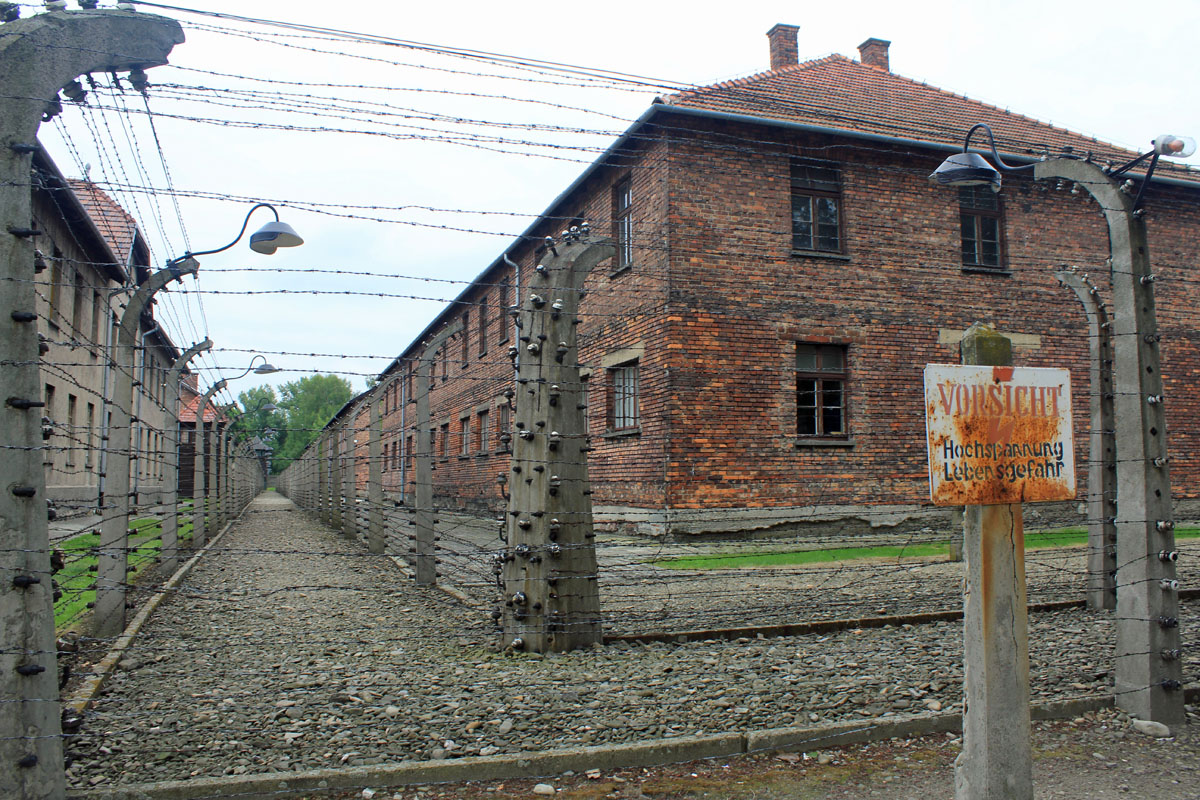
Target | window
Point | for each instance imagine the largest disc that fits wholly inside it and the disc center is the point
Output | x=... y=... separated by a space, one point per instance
x=90 y=442
x=71 y=432
x=97 y=317
x=56 y=287
x=78 y=303
x=445 y=451
x=503 y=302
x=409 y=452
x=466 y=335
x=820 y=390
x=979 y=211
x=481 y=433
x=464 y=436
x=623 y=397
x=483 y=326
x=816 y=207
x=445 y=362
x=623 y=223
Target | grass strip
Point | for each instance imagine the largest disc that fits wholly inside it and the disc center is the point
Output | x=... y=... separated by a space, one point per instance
x=1034 y=540
x=77 y=578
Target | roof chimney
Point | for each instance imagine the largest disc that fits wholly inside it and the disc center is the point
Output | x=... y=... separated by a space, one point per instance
x=784 y=50
x=875 y=53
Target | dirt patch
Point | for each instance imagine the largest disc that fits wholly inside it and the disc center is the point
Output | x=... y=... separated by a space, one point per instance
x=1094 y=757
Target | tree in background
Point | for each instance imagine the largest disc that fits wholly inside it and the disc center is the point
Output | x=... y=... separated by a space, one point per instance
x=254 y=420
x=306 y=405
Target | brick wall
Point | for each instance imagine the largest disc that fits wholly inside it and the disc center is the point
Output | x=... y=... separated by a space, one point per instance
x=716 y=302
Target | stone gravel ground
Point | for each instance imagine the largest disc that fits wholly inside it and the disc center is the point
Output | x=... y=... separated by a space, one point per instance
x=290 y=648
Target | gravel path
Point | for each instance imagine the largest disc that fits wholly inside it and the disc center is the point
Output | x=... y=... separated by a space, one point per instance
x=289 y=647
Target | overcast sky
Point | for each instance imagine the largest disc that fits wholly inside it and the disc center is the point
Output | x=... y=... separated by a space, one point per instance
x=1100 y=69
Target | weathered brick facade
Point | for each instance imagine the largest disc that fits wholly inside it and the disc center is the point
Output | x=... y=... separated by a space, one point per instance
x=717 y=299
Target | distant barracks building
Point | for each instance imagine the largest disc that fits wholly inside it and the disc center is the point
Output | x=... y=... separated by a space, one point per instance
x=784 y=269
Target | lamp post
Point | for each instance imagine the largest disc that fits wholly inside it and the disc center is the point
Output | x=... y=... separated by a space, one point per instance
x=1148 y=669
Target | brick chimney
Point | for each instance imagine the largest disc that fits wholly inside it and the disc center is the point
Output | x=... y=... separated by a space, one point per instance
x=875 y=53
x=784 y=50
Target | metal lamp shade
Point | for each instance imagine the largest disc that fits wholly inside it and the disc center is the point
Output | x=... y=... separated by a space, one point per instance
x=967 y=169
x=272 y=236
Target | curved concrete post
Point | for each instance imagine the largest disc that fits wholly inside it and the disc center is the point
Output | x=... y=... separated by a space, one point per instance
x=170 y=525
x=112 y=557
x=375 y=539
x=37 y=57
x=199 y=496
x=424 y=552
x=1102 y=451
x=1149 y=674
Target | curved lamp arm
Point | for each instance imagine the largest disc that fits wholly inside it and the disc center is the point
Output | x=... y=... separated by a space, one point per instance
x=265 y=240
x=992 y=142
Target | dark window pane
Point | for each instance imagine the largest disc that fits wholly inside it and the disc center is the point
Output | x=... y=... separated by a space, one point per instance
x=806 y=357
x=833 y=420
x=812 y=176
x=827 y=224
x=969 y=247
x=806 y=422
x=802 y=223
x=980 y=197
x=831 y=359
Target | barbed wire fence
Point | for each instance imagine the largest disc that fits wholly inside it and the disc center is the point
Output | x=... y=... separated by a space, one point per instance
x=311 y=644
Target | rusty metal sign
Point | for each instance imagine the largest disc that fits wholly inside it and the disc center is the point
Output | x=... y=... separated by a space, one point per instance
x=998 y=434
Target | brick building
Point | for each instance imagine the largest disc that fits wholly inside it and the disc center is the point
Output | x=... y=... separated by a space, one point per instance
x=89 y=252
x=215 y=420
x=784 y=270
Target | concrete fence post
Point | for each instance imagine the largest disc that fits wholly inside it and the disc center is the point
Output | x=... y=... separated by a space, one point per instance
x=170 y=526
x=375 y=540
x=108 y=618
x=1102 y=448
x=551 y=598
x=996 y=762
x=37 y=57
x=425 y=541
x=348 y=488
x=1149 y=671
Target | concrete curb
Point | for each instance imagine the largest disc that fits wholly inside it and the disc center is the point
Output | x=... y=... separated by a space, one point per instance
x=79 y=700
x=445 y=588
x=577 y=759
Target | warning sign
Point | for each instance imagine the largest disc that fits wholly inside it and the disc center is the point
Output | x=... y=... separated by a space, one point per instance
x=998 y=434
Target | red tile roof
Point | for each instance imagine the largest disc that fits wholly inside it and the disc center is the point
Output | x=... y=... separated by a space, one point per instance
x=840 y=93
x=115 y=224
x=187 y=410
x=189 y=400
